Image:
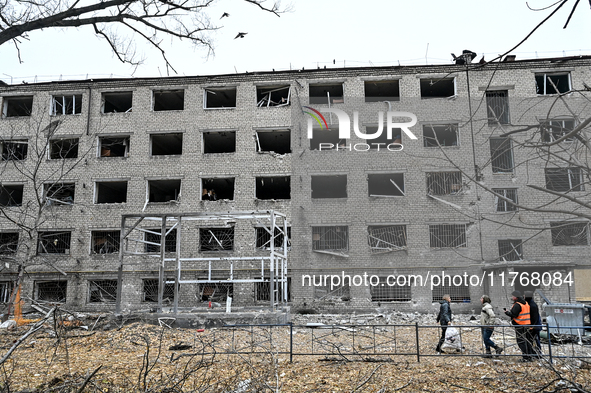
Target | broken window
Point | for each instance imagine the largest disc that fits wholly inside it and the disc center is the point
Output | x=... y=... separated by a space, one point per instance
x=329 y=186
x=168 y=100
x=377 y=91
x=17 y=106
x=8 y=243
x=447 y=235
x=435 y=135
x=331 y=239
x=54 y=242
x=164 y=190
x=111 y=192
x=217 y=188
x=117 y=102
x=510 y=250
x=114 y=146
x=564 y=179
x=5 y=291
x=329 y=138
x=552 y=83
x=438 y=88
x=382 y=140
x=219 y=142
x=326 y=93
x=105 y=242
x=14 y=150
x=11 y=195
x=63 y=148
x=390 y=293
x=502 y=205
x=273 y=187
x=219 y=292
x=51 y=291
x=220 y=98
x=457 y=293
x=216 y=239
x=273 y=96
x=66 y=105
x=569 y=233
x=59 y=193
x=102 y=291
x=262 y=290
x=385 y=184
x=277 y=141
x=150 y=292
x=444 y=183
x=386 y=238
x=497 y=107
x=501 y=155
x=325 y=293
x=553 y=130
x=170 y=144
x=263 y=238
x=152 y=237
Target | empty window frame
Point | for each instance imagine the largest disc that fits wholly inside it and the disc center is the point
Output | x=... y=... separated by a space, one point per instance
x=390 y=293
x=215 y=291
x=273 y=187
x=502 y=205
x=17 y=106
x=501 y=155
x=326 y=93
x=105 y=242
x=438 y=88
x=552 y=83
x=458 y=293
x=263 y=238
x=117 y=102
x=219 y=142
x=277 y=141
x=447 y=235
x=152 y=238
x=262 y=290
x=386 y=238
x=14 y=150
x=216 y=239
x=113 y=146
x=218 y=188
x=8 y=243
x=444 y=183
x=570 y=233
x=54 y=242
x=273 y=96
x=11 y=195
x=510 y=250
x=377 y=91
x=382 y=140
x=330 y=238
x=329 y=186
x=111 y=192
x=385 y=184
x=329 y=138
x=444 y=135
x=169 y=144
x=59 y=193
x=150 y=291
x=5 y=291
x=66 y=104
x=102 y=291
x=219 y=98
x=564 y=179
x=497 y=107
x=553 y=130
x=63 y=148
x=168 y=100
x=164 y=190
x=51 y=291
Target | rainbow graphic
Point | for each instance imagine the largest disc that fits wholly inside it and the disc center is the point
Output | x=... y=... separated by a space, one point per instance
x=316 y=116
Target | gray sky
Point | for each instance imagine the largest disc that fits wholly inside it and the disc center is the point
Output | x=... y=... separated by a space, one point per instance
x=316 y=32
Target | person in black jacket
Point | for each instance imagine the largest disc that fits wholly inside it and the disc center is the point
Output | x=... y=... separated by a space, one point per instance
x=444 y=318
x=536 y=322
x=520 y=319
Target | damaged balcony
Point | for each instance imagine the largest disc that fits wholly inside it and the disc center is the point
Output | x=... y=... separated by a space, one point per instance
x=379 y=91
x=11 y=195
x=438 y=88
x=214 y=189
x=14 y=150
x=329 y=186
x=63 y=148
x=17 y=106
x=168 y=100
x=164 y=191
x=219 y=142
x=105 y=242
x=386 y=238
x=326 y=93
x=384 y=185
x=440 y=135
x=168 y=144
x=269 y=96
x=111 y=192
x=332 y=240
x=59 y=193
x=113 y=146
x=273 y=141
x=219 y=98
x=273 y=187
x=216 y=239
x=117 y=102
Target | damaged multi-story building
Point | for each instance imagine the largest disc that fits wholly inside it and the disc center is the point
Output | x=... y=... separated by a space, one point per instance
x=315 y=172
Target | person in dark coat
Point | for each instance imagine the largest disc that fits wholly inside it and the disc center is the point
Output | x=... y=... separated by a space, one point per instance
x=444 y=318
x=520 y=319
x=536 y=322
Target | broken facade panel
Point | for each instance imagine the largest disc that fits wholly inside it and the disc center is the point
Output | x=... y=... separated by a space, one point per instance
x=273 y=187
x=276 y=141
x=219 y=142
x=17 y=106
x=168 y=100
x=268 y=96
x=117 y=102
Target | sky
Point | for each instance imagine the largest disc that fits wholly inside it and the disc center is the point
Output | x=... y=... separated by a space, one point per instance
x=315 y=33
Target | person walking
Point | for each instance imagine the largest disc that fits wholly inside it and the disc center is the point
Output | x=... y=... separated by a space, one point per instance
x=520 y=319
x=488 y=320
x=444 y=318
x=536 y=322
